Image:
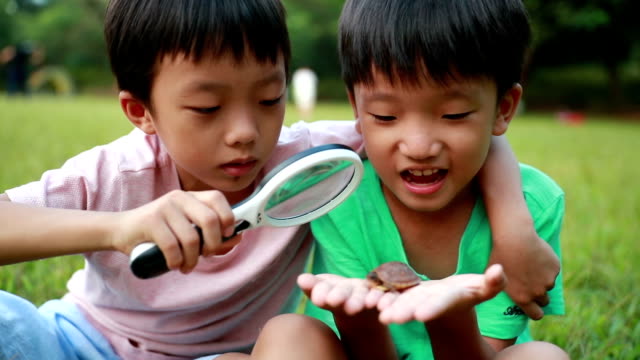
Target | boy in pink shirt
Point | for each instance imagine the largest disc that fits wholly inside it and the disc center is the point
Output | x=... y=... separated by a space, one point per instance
x=204 y=83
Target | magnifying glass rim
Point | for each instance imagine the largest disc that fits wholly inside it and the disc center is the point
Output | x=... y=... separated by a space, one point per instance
x=285 y=171
x=277 y=170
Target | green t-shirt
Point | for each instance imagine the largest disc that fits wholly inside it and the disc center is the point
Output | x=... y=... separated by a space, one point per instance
x=360 y=234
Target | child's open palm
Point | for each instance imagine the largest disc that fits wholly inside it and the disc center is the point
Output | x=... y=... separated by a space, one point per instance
x=336 y=293
x=434 y=298
x=424 y=302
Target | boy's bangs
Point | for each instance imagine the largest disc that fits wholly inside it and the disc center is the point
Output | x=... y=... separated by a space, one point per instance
x=212 y=28
x=139 y=34
x=409 y=42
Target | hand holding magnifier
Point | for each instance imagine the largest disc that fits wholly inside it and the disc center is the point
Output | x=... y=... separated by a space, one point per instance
x=302 y=188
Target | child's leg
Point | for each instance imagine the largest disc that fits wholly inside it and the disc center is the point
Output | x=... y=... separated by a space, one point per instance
x=293 y=336
x=533 y=350
x=56 y=331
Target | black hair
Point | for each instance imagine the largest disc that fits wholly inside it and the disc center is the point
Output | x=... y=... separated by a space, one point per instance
x=139 y=33
x=440 y=40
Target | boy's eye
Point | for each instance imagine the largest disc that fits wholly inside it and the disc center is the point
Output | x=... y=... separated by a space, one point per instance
x=205 y=111
x=458 y=116
x=383 y=117
x=271 y=102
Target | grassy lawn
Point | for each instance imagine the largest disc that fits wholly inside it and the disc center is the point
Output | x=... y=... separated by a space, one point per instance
x=595 y=163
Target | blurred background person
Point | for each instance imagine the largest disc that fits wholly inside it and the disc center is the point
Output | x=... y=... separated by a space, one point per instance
x=16 y=59
x=305 y=84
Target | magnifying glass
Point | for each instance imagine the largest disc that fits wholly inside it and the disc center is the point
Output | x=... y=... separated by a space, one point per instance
x=302 y=188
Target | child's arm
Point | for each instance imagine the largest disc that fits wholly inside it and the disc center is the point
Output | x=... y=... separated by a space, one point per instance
x=528 y=261
x=353 y=307
x=34 y=233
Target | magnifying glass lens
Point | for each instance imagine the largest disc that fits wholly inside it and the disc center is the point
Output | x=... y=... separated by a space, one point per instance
x=310 y=190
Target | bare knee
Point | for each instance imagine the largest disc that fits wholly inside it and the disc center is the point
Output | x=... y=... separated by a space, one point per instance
x=533 y=350
x=287 y=325
x=300 y=335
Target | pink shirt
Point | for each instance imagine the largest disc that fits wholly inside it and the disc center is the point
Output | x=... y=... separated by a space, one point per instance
x=225 y=301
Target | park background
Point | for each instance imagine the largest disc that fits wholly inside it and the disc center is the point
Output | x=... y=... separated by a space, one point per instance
x=579 y=124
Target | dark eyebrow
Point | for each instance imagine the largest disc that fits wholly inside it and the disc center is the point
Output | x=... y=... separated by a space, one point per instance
x=276 y=76
x=204 y=86
x=455 y=93
x=446 y=93
x=380 y=96
x=212 y=86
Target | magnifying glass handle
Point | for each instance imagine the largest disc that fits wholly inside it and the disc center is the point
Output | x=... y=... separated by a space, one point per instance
x=147 y=260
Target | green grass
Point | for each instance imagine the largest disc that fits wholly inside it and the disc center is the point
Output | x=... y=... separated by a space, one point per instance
x=596 y=164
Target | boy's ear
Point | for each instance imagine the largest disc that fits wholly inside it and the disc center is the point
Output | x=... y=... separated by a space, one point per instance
x=507 y=107
x=136 y=112
x=352 y=101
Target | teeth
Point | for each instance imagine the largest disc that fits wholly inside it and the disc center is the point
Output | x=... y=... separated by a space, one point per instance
x=423 y=172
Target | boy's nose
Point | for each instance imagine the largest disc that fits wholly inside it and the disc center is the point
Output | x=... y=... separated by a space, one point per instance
x=241 y=130
x=420 y=146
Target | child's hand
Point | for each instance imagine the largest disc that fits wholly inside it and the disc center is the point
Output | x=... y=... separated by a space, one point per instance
x=532 y=268
x=168 y=222
x=339 y=294
x=434 y=298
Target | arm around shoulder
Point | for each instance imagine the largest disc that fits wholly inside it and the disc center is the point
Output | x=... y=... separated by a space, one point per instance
x=528 y=260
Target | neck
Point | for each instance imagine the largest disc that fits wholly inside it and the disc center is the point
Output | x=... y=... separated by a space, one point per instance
x=432 y=238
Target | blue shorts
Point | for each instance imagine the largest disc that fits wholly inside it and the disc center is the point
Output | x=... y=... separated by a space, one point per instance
x=57 y=330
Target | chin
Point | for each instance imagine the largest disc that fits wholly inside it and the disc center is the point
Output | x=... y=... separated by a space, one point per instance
x=416 y=204
x=237 y=185
x=426 y=208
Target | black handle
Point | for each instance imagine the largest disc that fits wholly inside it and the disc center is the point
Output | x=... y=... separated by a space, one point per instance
x=151 y=262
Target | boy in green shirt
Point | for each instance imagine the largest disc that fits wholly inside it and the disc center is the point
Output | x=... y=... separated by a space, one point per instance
x=430 y=83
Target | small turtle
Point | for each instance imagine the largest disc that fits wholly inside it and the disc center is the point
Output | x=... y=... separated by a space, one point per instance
x=392 y=276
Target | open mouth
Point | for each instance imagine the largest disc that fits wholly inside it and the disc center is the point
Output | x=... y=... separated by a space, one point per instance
x=423 y=177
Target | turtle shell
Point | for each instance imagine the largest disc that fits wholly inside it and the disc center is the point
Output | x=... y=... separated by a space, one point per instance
x=393 y=276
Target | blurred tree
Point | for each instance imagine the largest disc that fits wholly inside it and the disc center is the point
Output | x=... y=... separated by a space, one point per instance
x=571 y=32
x=313 y=28
x=97 y=7
x=26 y=5
x=6 y=24
x=71 y=33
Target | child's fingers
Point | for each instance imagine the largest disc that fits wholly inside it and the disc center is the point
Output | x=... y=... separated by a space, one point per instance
x=164 y=237
x=495 y=281
x=176 y=214
x=373 y=297
x=212 y=213
x=179 y=210
x=356 y=302
x=319 y=294
x=322 y=288
x=340 y=293
x=386 y=300
x=306 y=282
x=216 y=200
